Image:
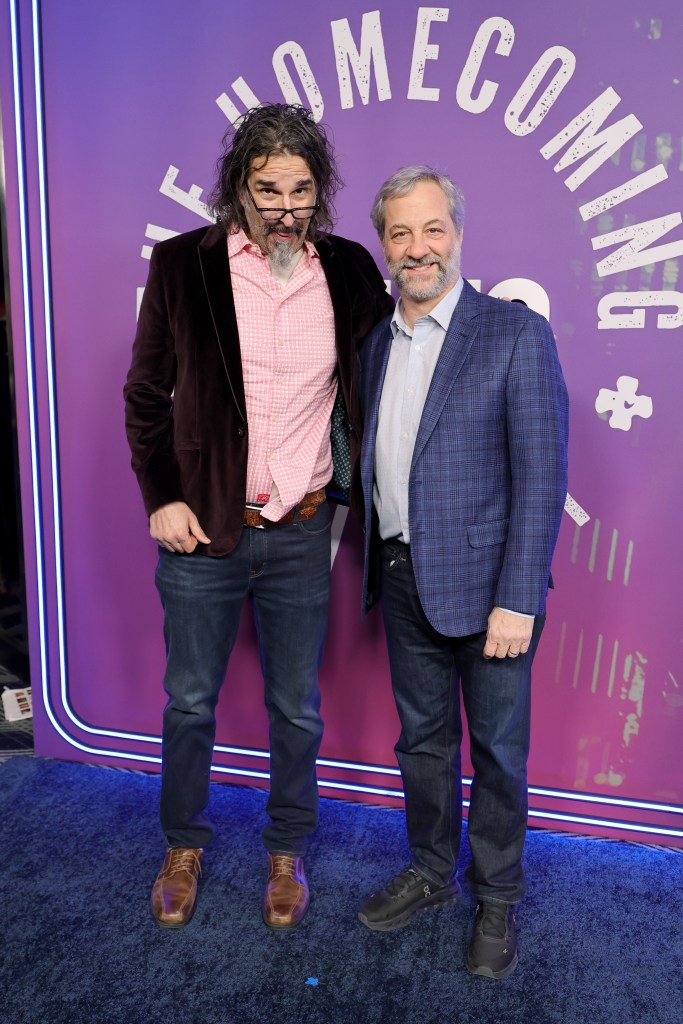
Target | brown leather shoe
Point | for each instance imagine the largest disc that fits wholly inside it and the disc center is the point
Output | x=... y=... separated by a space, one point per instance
x=174 y=893
x=286 y=898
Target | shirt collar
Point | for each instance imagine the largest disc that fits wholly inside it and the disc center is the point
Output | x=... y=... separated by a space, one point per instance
x=239 y=242
x=442 y=312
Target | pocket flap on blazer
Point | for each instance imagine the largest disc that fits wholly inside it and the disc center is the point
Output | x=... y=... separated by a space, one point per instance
x=482 y=534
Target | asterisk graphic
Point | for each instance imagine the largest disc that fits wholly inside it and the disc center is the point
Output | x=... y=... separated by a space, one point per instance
x=623 y=403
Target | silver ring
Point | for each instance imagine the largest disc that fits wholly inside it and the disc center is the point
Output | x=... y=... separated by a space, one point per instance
x=510 y=655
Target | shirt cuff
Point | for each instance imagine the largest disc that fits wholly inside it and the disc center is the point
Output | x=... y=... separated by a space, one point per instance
x=522 y=615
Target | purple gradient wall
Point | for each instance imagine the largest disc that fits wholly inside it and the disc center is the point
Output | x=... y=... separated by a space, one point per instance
x=120 y=140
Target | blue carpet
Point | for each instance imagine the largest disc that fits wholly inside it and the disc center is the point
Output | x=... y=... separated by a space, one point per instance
x=600 y=931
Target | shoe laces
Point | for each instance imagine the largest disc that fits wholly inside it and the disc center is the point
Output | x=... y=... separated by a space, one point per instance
x=184 y=860
x=493 y=920
x=404 y=880
x=282 y=865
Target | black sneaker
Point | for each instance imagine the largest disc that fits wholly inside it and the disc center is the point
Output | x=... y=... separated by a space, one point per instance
x=493 y=946
x=404 y=896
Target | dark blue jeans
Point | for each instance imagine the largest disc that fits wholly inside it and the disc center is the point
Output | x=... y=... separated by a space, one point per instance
x=286 y=570
x=426 y=668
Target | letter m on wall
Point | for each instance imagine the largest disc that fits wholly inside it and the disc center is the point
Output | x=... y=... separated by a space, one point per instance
x=349 y=59
x=602 y=144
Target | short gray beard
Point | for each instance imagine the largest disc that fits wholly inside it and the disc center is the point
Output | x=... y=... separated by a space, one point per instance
x=448 y=271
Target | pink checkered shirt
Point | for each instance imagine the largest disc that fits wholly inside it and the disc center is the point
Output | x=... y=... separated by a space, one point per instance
x=288 y=362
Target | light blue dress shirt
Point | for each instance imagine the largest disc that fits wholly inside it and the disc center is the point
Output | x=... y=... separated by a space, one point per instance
x=414 y=354
x=413 y=357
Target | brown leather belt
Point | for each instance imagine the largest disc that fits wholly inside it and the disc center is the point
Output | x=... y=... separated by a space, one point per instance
x=306 y=509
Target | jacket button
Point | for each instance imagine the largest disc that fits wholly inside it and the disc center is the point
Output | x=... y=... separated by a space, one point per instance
x=240 y=431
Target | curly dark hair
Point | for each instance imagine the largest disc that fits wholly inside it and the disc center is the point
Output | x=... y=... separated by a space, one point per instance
x=262 y=132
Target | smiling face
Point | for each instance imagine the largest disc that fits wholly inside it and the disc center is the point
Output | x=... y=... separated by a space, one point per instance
x=421 y=245
x=285 y=181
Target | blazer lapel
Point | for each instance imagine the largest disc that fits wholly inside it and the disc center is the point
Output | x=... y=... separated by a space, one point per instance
x=213 y=258
x=456 y=346
x=336 y=283
x=379 y=347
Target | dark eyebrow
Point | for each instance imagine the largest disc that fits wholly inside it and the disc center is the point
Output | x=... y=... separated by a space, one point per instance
x=273 y=184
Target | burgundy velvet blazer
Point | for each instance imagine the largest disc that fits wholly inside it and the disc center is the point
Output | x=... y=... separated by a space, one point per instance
x=186 y=417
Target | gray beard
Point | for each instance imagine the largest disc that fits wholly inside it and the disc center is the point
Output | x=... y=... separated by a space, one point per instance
x=448 y=268
x=422 y=292
x=282 y=255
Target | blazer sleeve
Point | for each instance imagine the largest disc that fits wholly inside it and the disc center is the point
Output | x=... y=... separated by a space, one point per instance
x=148 y=395
x=537 y=427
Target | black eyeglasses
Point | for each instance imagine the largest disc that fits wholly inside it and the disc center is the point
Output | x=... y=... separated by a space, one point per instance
x=273 y=213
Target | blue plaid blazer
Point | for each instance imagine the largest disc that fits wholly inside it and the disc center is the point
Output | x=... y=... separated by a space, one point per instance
x=488 y=479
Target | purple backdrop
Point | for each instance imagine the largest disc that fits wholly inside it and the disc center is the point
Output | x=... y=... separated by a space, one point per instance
x=542 y=114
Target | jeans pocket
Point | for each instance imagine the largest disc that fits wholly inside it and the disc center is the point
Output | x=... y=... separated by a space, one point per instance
x=319 y=523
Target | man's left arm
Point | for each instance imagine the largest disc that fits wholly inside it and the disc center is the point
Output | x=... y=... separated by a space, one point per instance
x=537 y=425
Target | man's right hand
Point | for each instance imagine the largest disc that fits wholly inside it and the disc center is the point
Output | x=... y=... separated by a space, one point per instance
x=177 y=528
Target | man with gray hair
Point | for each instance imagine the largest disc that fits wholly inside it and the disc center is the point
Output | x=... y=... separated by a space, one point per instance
x=464 y=477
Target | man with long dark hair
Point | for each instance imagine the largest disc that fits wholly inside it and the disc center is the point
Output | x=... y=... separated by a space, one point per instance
x=246 y=338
